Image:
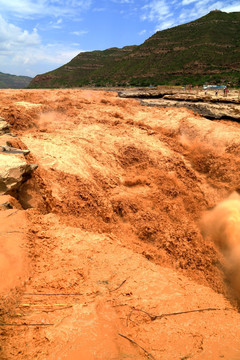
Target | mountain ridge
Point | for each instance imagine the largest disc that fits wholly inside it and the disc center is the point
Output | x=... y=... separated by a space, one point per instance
x=9 y=81
x=206 y=49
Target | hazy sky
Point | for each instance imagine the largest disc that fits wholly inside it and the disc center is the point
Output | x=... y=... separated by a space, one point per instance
x=37 y=36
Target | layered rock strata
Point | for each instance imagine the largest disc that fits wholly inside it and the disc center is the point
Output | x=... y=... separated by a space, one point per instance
x=14 y=169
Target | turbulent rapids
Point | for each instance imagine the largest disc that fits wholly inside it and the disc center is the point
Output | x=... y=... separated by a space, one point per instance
x=131 y=217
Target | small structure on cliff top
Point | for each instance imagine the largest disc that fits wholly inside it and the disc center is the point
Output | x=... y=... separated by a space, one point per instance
x=205 y=87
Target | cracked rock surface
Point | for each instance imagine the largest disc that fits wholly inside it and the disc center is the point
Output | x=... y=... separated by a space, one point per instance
x=14 y=171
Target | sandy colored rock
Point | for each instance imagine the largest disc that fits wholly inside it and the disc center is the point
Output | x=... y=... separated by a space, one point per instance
x=207 y=109
x=5 y=138
x=4 y=126
x=11 y=140
x=209 y=105
x=12 y=150
x=13 y=172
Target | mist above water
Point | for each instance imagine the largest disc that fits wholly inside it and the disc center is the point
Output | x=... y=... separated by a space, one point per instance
x=222 y=226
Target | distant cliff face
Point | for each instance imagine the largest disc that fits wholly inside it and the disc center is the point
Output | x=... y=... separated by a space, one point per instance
x=207 y=49
x=8 y=81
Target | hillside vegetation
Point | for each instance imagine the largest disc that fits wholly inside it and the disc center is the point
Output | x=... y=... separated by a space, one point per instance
x=207 y=49
x=8 y=81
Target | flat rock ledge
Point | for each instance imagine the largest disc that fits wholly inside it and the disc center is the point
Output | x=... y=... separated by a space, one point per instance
x=209 y=106
x=208 y=110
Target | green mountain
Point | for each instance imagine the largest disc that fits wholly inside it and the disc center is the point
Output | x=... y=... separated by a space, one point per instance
x=8 y=81
x=204 y=50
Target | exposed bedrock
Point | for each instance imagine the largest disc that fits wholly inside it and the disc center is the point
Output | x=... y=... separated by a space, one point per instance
x=14 y=169
x=13 y=172
x=4 y=126
x=209 y=105
x=206 y=109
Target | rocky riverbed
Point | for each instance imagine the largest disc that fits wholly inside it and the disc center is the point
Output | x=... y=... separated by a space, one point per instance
x=210 y=105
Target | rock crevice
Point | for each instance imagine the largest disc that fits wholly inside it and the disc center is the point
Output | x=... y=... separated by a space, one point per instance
x=14 y=169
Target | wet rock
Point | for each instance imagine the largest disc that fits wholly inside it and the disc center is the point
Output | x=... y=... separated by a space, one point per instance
x=217 y=111
x=4 y=126
x=11 y=141
x=202 y=98
x=12 y=150
x=11 y=145
x=13 y=172
x=7 y=205
x=206 y=109
x=145 y=93
x=208 y=105
x=8 y=202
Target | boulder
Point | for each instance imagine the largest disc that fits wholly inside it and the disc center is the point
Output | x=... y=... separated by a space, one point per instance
x=4 y=126
x=13 y=172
